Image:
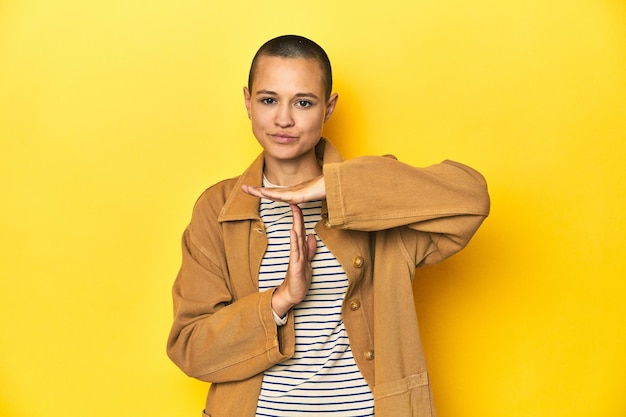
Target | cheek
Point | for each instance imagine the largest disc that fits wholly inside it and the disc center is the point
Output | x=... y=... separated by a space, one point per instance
x=258 y=118
x=313 y=123
x=257 y=127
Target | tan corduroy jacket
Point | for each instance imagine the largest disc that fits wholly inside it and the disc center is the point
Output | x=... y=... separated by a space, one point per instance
x=381 y=219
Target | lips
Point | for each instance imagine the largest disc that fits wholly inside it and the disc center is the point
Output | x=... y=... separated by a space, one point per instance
x=283 y=138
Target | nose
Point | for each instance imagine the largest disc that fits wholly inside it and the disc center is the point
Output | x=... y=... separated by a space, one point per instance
x=284 y=118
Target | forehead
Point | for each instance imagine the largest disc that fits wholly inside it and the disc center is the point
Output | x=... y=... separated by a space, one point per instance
x=278 y=73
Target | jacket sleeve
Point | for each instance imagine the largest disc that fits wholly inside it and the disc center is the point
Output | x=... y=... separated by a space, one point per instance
x=217 y=337
x=441 y=206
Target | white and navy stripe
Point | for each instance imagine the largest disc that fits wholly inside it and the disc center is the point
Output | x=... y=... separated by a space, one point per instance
x=322 y=377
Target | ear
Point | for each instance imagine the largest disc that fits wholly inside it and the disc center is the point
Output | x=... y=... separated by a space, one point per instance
x=330 y=106
x=246 y=99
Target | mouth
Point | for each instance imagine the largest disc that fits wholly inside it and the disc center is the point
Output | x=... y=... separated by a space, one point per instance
x=283 y=138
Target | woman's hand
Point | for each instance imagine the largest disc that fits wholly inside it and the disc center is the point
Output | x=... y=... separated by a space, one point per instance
x=314 y=189
x=300 y=271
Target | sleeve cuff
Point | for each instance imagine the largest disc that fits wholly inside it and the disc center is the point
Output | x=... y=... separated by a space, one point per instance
x=280 y=321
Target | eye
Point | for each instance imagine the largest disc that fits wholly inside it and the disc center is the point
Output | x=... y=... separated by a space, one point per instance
x=303 y=103
x=267 y=100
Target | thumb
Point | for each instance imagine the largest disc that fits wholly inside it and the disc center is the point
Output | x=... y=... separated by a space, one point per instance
x=312 y=246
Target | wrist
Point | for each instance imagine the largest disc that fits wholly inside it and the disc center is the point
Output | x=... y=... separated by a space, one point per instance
x=280 y=304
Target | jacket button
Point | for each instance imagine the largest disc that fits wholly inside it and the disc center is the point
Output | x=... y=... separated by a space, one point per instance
x=358 y=262
x=327 y=224
x=369 y=355
x=355 y=305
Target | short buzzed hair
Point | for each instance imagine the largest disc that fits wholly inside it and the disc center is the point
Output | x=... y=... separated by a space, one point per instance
x=294 y=46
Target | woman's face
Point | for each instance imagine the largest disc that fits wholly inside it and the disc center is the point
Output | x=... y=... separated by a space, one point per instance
x=288 y=107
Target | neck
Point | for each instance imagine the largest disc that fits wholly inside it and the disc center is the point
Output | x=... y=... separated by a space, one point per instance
x=289 y=173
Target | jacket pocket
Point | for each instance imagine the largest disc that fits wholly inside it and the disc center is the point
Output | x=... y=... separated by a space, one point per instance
x=407 y=397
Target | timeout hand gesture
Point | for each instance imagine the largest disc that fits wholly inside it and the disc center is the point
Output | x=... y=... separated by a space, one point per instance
x=314 y=189
x=297 y=280
x=299 y=274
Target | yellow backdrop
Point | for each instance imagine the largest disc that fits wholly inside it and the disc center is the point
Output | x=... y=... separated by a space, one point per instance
x=115 y=115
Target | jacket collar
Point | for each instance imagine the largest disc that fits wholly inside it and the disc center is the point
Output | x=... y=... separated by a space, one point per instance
x=241 y=206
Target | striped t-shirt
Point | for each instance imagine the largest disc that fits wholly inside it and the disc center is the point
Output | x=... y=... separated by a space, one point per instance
x=322 y=377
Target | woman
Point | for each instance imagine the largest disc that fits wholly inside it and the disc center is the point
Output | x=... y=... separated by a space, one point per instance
x=294 y=296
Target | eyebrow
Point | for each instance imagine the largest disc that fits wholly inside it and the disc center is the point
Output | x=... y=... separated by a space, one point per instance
x=298 y=95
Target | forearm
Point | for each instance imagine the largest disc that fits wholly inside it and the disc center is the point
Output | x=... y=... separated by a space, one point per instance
x=438 y=209
x=377 y=193
x=215 y=337
x=235 y=343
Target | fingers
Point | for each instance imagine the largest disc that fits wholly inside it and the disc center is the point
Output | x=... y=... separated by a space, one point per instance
x=298 y=227
x=276 y=194
x=306 y=244
x=299 y=273
x=254 y=191
x=310 y=190
x=281 y=194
